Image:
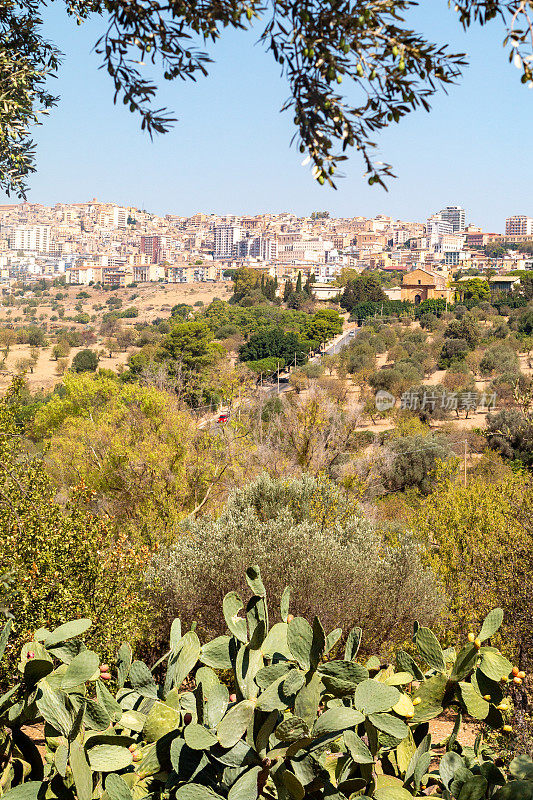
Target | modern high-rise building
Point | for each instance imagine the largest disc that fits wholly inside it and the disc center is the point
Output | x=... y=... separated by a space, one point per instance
x=152 y=246
x=456 y=216
x=226 y=238
x=519 y=226
x=35 y=238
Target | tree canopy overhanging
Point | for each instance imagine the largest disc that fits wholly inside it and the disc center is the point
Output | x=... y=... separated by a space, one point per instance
x=317 y=43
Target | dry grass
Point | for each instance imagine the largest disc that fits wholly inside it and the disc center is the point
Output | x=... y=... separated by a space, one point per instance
x=44 y=374
x=153 y=300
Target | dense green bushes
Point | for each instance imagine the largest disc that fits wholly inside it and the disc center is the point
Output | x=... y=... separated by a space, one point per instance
x=479 y=540
x=306 y=532
x=63 y=561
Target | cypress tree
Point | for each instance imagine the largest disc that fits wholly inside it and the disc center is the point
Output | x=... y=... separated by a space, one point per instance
x=287 y=291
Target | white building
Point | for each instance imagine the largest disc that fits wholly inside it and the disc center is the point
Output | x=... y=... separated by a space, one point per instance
x=449 y=243
x=519 y=226
x=120 y=217
x=226 y=238
x=456 y=216
x=401 y=237
x=264 y=248
x=143 y=273
x=436 y=227
x=35 y=238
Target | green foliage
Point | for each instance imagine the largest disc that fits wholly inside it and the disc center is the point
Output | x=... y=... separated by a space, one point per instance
x=413 y=461
x=351 y=575
x=26 y=61
x=85 y=361
x=134 y=446
x=453 y=352
x=372 y=44
x=510 y=433
x=474 y=289
x=363 y=289
x=396 y=379
x=324 y=325
x=181 y=310
x=63 y=561
x=436 y=306
x=480 y=545
x=386 y=308
x=525 y=323
x=251 y=286
x=274 y=344
x=495 y=250
x=499 y=359
x=188 y=351
x=297 y=723
x=255 y=319
x=266 y=366
x=466 y=328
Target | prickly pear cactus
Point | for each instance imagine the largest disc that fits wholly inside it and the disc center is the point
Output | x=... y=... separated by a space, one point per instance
x=294 y=723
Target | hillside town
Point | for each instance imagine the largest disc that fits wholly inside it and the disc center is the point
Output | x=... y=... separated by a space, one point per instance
x=97 y=243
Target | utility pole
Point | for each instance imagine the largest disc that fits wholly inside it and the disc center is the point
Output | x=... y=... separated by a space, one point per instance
x=466 y=445
x=278 y=376
x=261 y=418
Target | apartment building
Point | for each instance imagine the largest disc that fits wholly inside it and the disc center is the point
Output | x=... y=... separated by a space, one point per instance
x=437 y=226
x=519 y=226
x=35 y=238
x=456 y=216
x=226 y=238
x=264 y=248
x=143 y=273
x=151 y=246
x=83 y=275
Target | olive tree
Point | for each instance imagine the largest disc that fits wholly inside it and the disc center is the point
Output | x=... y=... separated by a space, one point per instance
x=334 y=559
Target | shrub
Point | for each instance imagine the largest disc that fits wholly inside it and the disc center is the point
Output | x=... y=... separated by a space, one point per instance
x=429 y=321
x=412 y=462
x=292 y=727
x=466 y=329
x=130 y=313
x=453 y=350
x=337 y=562
x=525 y=322
x=85 y=361
x=499 y=359
x=480 y=541
x=35 y=337
x=510 y=433
x=64 y=561
x=358 y=355
x=60 y=350
x=396 y=379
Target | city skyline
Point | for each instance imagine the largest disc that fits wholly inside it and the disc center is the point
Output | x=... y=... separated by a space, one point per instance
x=229 y=151
x=521 y=224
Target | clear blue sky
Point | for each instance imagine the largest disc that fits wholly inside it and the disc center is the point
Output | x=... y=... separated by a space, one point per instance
x=229 y=151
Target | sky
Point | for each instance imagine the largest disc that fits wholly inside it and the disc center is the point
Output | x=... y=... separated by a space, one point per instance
x=230 y=150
